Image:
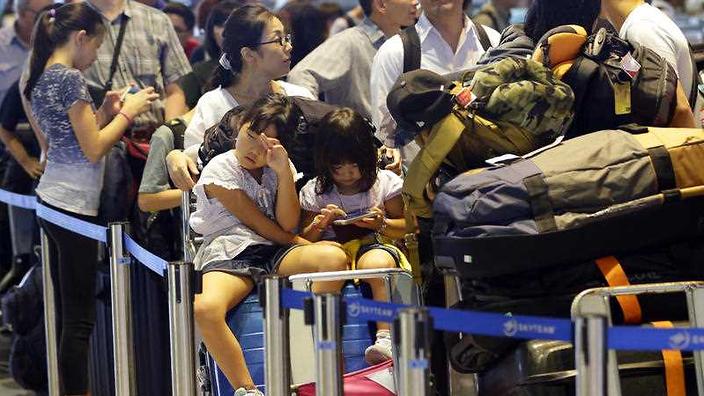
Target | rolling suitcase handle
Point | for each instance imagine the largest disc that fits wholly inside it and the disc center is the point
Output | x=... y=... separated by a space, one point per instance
x=596 y=302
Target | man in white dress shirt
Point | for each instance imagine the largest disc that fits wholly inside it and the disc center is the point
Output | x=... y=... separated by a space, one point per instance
x=449 y=42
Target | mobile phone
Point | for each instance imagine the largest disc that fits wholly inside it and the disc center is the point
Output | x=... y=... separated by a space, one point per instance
x=130 y=90
x=353 y=219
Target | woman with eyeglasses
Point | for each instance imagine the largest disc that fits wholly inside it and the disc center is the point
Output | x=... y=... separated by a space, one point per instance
x=255 y=52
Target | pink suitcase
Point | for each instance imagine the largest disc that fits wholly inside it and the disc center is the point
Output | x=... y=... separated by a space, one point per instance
x=372 y=381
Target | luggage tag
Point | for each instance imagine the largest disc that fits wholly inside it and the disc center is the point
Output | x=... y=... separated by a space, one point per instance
x=465 y=97
x=508 y=159
x=630 y=65
x=622 y=98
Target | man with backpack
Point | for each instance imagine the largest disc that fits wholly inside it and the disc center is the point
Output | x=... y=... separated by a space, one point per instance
x=340 y=67
x=444 y=40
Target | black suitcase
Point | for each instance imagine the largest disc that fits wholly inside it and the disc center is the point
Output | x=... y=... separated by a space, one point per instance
x=150 y=312
x=150 y=334
x=546 y=368
x=100 y=363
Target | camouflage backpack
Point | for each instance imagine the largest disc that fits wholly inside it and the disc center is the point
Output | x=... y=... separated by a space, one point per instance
x=524 y=93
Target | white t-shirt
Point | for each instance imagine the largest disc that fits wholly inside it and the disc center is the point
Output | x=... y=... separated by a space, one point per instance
x=213 y=105
x=387 y=186
x=224 y=234
x=648 y=26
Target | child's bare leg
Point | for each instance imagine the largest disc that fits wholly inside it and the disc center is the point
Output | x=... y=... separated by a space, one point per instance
x=377 y=259
x=221 y=292
x=317 y=257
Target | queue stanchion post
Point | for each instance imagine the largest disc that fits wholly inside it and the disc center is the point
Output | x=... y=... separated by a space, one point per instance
x=324 y=312
x=277 y=375
x=187 y=243
x=121 y=299
x=590 y=355
x=412 y=335
x=52 y=354
x=180 y=279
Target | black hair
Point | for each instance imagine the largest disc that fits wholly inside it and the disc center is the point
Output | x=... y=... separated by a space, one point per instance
x=366 y=7
x=344 y=137
x=276 y=110
x=331 y=11
x=308 y=30
x=217 y=17
x=53 y=29
x=183 y=11
x=544 y=15
x=243 y=28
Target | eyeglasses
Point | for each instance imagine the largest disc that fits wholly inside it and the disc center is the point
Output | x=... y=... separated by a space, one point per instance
x=283 y=40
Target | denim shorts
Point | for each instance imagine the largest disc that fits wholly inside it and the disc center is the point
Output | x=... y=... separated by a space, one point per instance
x=255 y=261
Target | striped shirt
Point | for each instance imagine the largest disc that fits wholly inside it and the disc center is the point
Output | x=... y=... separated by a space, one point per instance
x=151 y=55
x=340 y=67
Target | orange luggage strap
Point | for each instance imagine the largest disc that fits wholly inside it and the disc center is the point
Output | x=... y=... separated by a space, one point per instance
x=615 y=276
x=674 y=367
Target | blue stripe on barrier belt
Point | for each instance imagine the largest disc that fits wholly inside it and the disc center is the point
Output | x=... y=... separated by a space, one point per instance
x=90 y=230
x=650 y=339
x=494 y=324
x=147 y=258
x=22 y=201
x=484 y=323
x=530 y=327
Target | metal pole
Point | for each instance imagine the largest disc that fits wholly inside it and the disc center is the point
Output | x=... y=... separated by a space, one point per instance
x=185 y=229
x=695 y=305
x=590 y=355
x=52 y=355
x=413 y=329
x=277 y=375
x=121 y=298
x=183 y=379
x=327 y=336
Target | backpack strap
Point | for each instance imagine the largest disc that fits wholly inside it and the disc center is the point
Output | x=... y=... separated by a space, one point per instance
x=487 y=13
x=349 y=20
x=578 y=78
x=615 y=276
x=442 y=138
x=411 y=49
x=674 y=366
x=483 y=36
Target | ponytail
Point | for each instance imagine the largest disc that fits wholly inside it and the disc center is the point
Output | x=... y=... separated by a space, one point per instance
x=220 y=78
x=52 y=30
x=40 y=53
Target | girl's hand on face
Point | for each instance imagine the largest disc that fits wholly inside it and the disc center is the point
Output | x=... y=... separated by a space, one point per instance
x=372 y=223
x=327 y=215
x=276 y=155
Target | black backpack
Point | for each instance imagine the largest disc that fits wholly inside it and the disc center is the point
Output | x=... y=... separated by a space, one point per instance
x=220 y=138
x=23 y=311
x=608 y=96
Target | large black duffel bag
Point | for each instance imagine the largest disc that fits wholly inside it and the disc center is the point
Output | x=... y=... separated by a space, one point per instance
x=549 y=292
